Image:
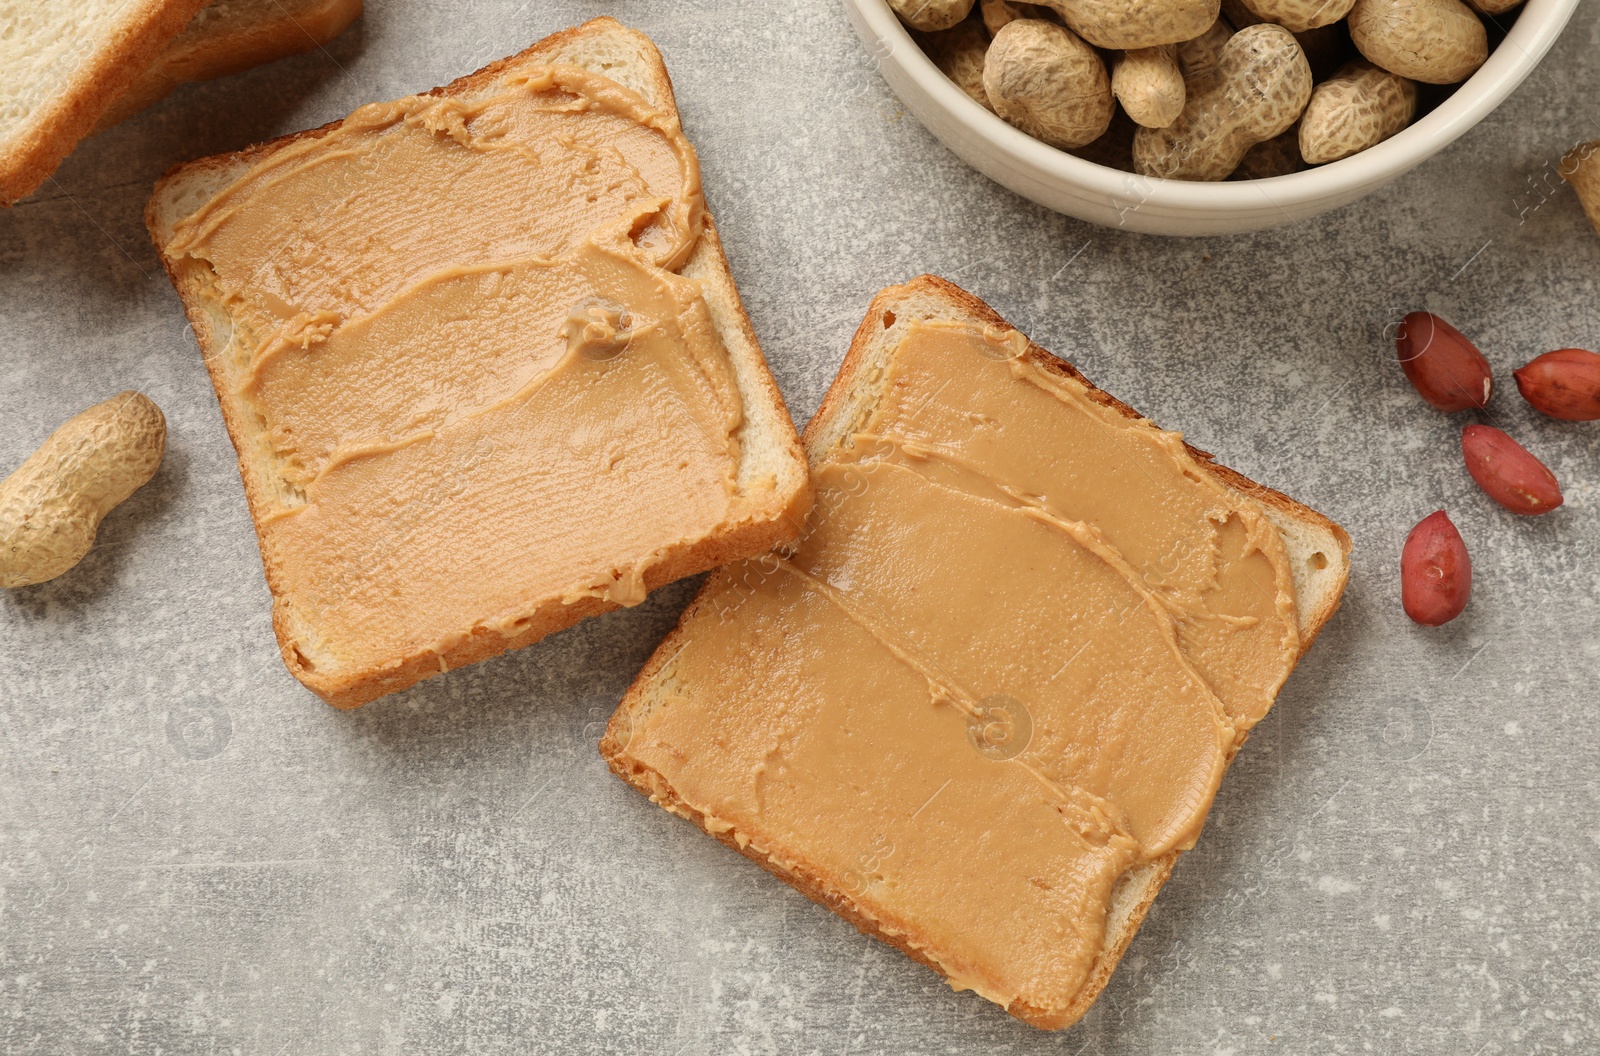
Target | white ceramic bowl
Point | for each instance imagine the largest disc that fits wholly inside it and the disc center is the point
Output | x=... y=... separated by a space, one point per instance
x=1115 y=198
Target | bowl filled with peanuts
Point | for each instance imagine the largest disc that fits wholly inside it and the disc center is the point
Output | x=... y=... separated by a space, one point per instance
x=1202 y=117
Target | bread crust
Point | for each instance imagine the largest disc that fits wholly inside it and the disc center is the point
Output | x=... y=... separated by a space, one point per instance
x=1136 y=891
x=277 y=33
x=760 y=528
x=53 y=130
x=542 y=51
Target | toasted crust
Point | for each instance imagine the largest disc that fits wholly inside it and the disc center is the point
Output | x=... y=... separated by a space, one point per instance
x=853 y=392
x=763 y=524
x=246 y=36
x=142 y=28
x=161 y=214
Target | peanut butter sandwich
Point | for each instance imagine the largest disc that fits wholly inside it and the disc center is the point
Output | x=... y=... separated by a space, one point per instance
x=986 y=699
x=483 y=362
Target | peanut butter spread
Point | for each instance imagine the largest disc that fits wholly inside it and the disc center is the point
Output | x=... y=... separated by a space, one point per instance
x=1007 y=663
x=481 y=381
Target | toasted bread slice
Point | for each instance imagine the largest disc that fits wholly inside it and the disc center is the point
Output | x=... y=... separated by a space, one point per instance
x=64 y=65
x=1318 y=548
x=772 y=480
x=229 y=36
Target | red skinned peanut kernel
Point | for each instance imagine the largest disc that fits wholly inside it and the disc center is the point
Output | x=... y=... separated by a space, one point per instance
x=1564 y=384
x=1444 y=367
x=1435 y=571
x=1507 y=473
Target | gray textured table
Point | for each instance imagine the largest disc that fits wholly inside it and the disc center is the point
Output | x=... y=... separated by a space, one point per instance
x=198 y=856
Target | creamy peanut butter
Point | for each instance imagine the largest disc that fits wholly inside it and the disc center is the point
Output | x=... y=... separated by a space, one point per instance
x=481 y=382
x=1008 y=662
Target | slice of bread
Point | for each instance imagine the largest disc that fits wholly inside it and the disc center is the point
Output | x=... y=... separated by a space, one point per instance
x=772 y=485
x=1318 y=548
x=64 y=64
x=228 y=36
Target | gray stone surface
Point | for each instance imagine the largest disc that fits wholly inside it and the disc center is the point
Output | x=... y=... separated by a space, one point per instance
x=196 y=856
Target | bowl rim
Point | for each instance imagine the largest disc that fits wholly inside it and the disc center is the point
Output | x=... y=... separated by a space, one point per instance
x=1527 y=41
